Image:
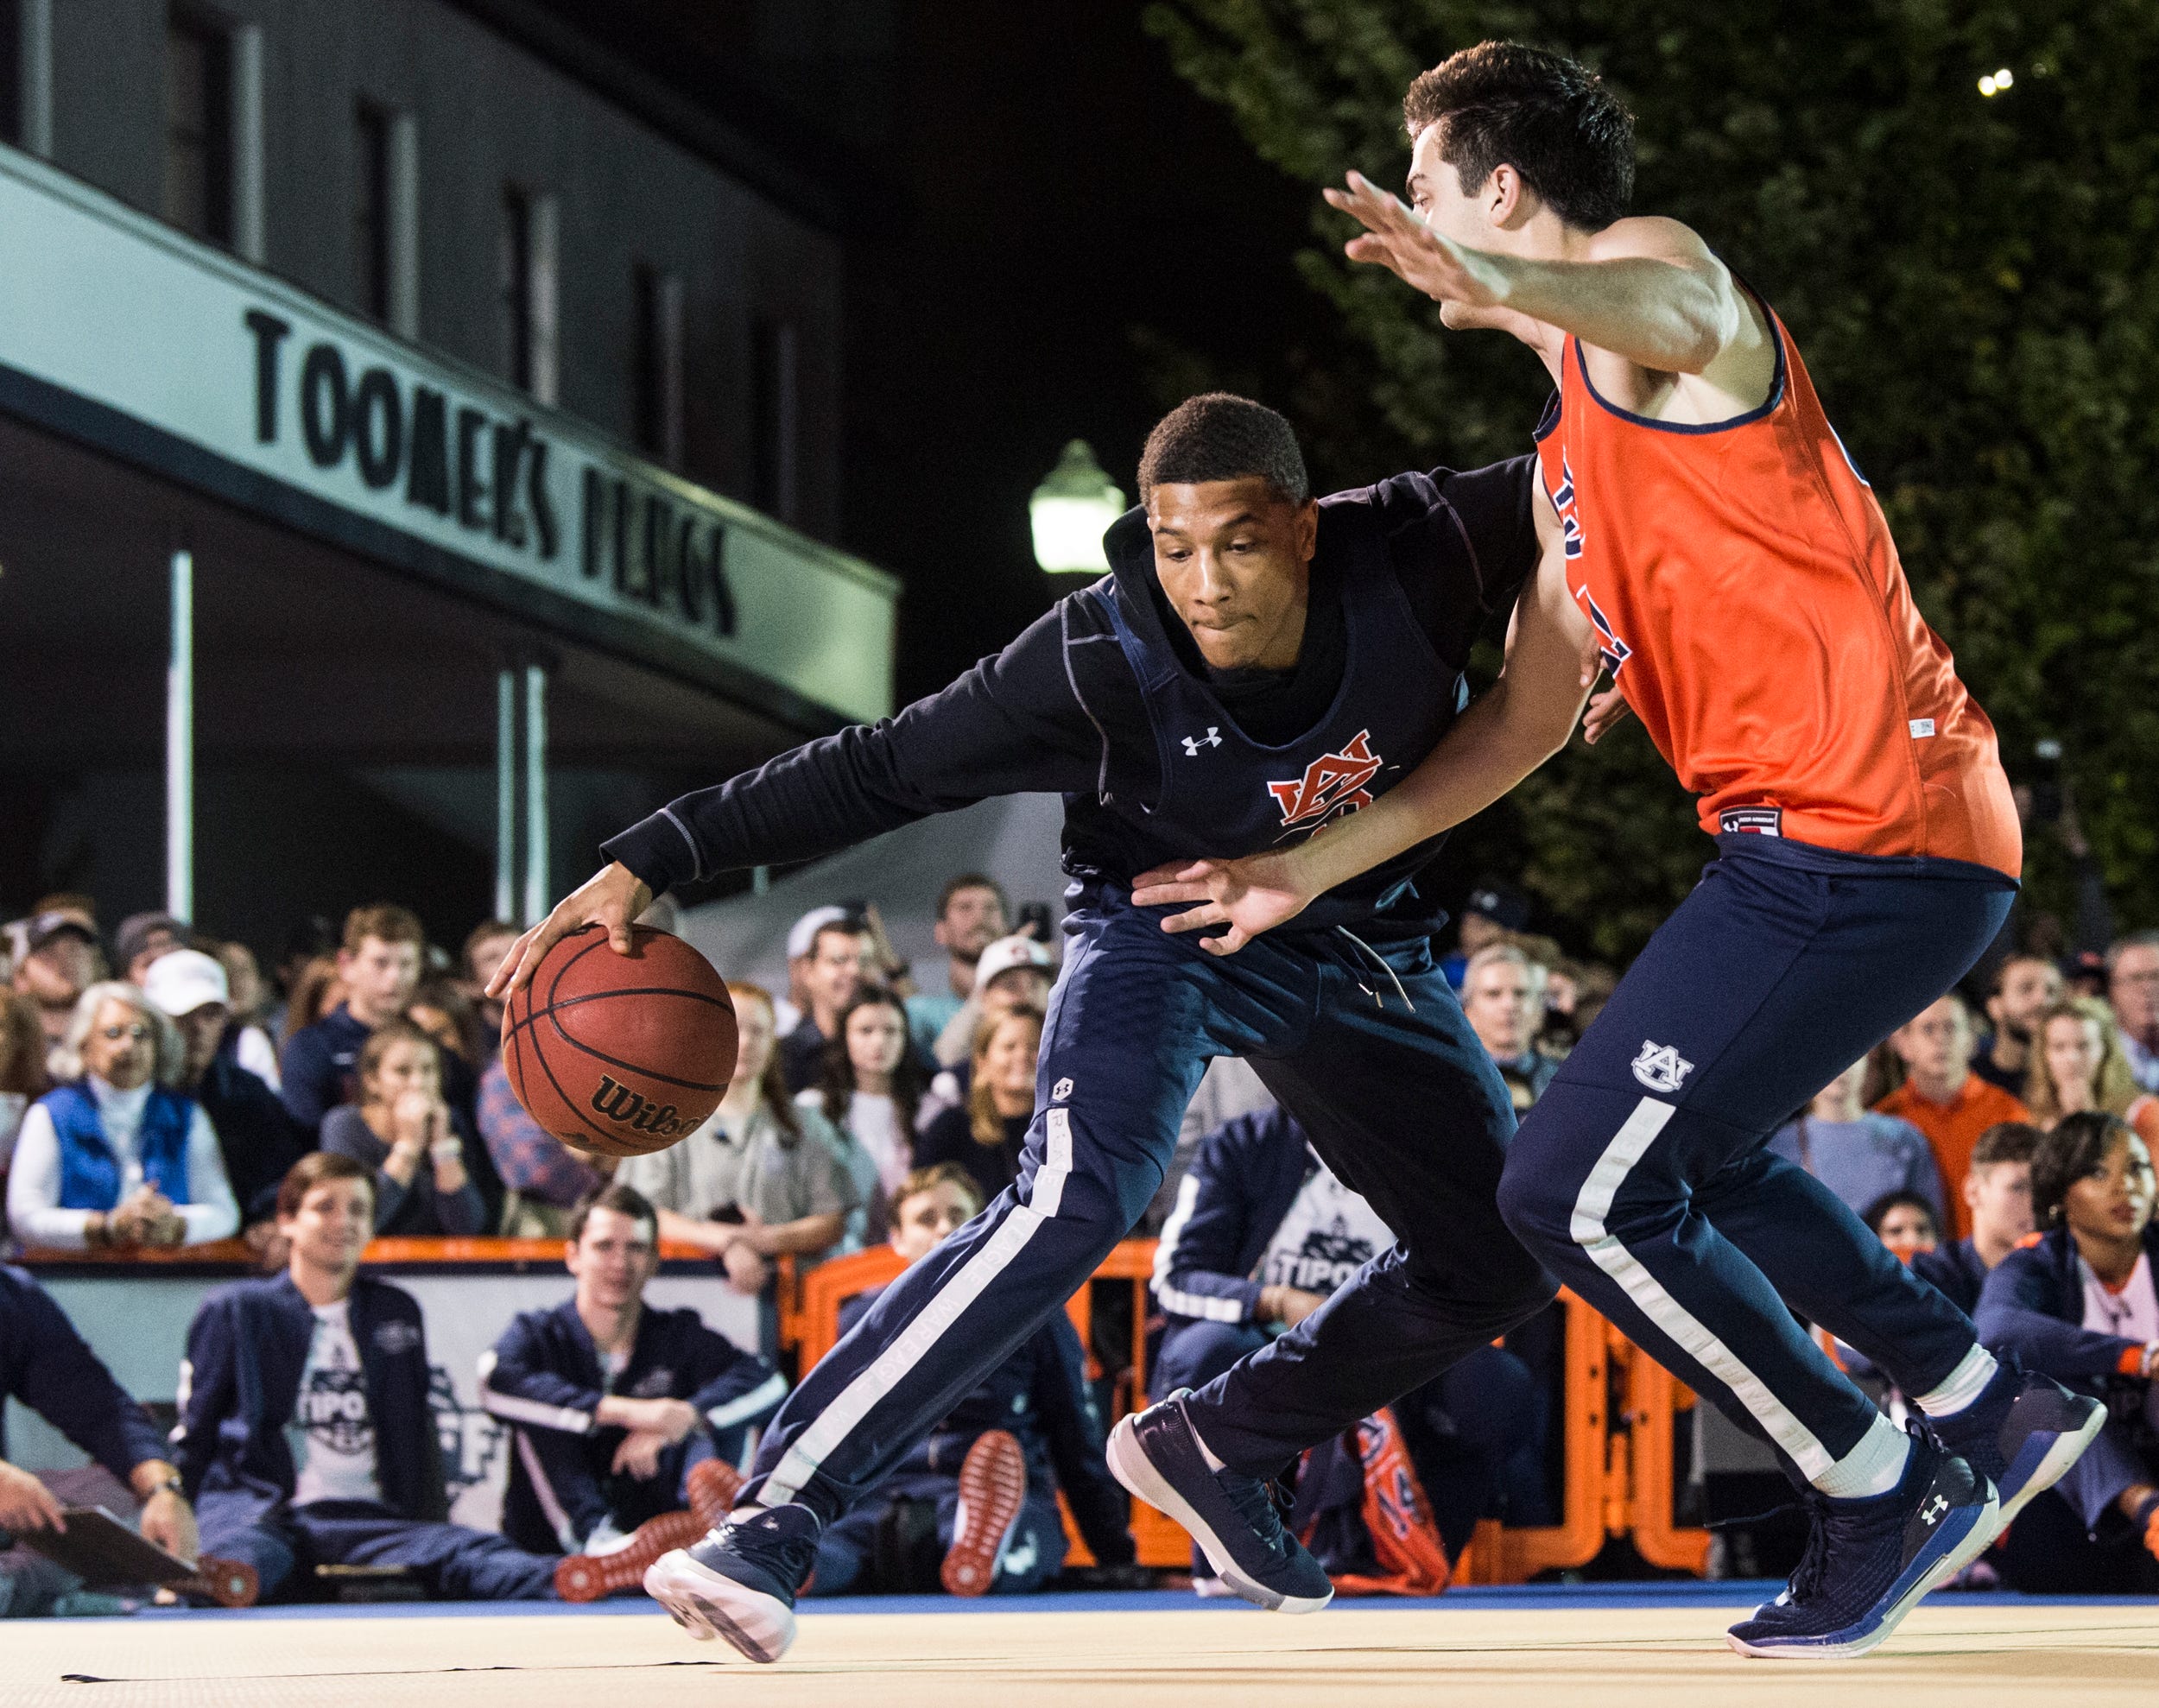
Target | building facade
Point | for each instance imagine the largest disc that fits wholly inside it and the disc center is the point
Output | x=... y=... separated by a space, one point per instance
x=419 y=437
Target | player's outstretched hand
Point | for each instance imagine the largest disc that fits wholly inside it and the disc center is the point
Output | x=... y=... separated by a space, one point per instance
x=1250 y=896
x=1396 y=236
x=612 y=897
x=1607 y=710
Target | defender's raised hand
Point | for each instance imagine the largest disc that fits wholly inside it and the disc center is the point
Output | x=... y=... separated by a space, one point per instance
x=1396 y=236
x=1250 y=896
x=612 y=897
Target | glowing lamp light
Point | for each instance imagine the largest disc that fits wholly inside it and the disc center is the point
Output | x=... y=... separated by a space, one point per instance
x=1071 y=511
x=1995 y=83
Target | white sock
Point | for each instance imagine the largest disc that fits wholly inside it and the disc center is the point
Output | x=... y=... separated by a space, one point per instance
x=1873 y=1467
x=1963 y=1385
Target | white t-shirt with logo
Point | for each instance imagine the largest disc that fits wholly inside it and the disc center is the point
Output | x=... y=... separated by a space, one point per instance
x=331 y=1434
x=1329 y=1234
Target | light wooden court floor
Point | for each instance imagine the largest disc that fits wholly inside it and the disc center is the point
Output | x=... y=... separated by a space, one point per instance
x=1614 y=1651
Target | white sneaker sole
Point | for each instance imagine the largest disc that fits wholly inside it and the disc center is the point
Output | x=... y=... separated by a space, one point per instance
x=708 y=1605
x=1982 y=1536
x=1130 y=1464
x=2064 y=1453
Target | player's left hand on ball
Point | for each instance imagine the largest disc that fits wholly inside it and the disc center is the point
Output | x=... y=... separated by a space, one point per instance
x=612 y=897
x=1250 y=895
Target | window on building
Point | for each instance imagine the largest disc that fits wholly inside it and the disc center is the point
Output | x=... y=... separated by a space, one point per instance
x=11 y=71
x=530 y=319
x=777 y=426
x=199 y=127
x=656 y=372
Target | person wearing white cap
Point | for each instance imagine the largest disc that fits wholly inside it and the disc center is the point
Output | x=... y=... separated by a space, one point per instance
x=258 y=1139
x=801 y=941
x=1019 y=970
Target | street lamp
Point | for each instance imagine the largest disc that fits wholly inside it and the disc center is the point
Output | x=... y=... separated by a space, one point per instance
x=1071 y=511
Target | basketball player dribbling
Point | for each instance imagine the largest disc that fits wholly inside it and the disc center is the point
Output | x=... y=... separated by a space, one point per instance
x=1740 y=580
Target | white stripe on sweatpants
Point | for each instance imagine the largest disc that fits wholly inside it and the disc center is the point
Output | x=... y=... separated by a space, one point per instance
x=550 y=1503
x=965 y=1285
x=1593 y=1205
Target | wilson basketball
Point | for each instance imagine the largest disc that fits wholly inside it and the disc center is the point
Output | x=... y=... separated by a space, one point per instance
x=620 y=1055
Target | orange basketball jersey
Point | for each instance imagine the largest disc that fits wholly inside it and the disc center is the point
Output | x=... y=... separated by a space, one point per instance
x=1752 y=605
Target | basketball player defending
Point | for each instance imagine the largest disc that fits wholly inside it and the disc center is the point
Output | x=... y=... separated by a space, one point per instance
x=1737 y=575
x=1257 y=663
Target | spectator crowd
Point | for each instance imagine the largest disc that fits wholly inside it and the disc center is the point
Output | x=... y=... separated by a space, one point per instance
x=157 y=1091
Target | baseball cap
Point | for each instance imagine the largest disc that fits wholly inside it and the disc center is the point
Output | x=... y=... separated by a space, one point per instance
x=1008 y=952
x=1503 y=907
x=803 y=937
x=183 y=981
x=137 y=930
x=42 y=928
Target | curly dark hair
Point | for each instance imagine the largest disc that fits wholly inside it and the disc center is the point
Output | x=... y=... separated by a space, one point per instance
x=1220 y=436
x=836 y=1076
x=2076 y=1148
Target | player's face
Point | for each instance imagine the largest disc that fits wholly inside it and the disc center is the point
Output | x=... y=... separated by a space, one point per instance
x=877 y=1038
x=2000 y=1198
x=2028 y=989
x=2114 y=1201
x=928 y=1219
x=2073 y=1047
x=614 y=1258
x=1435 y=191
x=334 y=1221
x=1235 y=562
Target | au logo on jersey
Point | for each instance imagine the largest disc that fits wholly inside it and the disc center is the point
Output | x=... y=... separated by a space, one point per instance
x=1566 y=501
x=1660 y=1068
x=1331 y=784
x=1614 y=651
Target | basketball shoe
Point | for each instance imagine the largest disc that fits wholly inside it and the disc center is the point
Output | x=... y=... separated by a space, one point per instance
x=620 y=1562
x=741 y=1581
x=992 y=1490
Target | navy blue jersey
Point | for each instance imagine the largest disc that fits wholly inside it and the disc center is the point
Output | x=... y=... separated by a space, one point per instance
x=50 y=1369
x=1105 y=701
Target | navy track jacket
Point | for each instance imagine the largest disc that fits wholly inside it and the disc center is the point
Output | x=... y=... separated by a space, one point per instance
x=247 y=1350
x=2032 y=1306
x=1244 y=1178
x=50 y=1369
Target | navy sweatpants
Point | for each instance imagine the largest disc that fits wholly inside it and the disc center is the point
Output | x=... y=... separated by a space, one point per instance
x=1391 y=1087
x=454 y=1562
x=1642 y=1176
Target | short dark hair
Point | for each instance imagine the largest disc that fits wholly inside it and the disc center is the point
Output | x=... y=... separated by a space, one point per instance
x=2077 y=1147
x=971 y=881
x=1220 y=436
x=2005 y=1141
x=853 y=926
x=1878 y=1211
x=623 y=1200
x=311 y=1171
x=385 y=921
x=1552 y=120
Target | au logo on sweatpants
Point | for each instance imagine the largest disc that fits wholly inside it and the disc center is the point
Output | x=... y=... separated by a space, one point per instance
x=1660 y=1068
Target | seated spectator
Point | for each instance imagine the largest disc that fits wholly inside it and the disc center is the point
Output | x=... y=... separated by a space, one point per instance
x=543 y=1179
x=45 y=1364
x=2078 y=1065
x=615 y=1404
x=1503 y=996
x=1943 y=1097
x=974 y=1507
x=1905 y=1223
x=1858 y=1153
x=306 y=1436
x=142 y=938
x=249 y=1039
x=412 y=1141
x=987 y=1134
x=840 y=951
x=440 y=1010
x=59 y=960
x=2133 y=989
x=115 y=1157
x=22 y=1079
x=2025 y=987
x=1262 y=1233
x=801 y=940
x=2078 y=1303
x=972 y=913
x=1493 y=912
x=1998 y=1194
x=484 y=947
x=257 y=1138
x=378 y=969
x=316 y=989
x=870 y=1093
x=1014 y=971
x=761 y=1176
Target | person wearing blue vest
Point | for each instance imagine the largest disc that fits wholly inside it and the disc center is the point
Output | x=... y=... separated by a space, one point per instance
x=1258 y=663
x=116 y=1157
x=305 y=1435
x=615 y=1401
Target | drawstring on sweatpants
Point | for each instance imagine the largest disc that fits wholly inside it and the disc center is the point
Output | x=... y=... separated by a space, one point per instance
x=1380 y=961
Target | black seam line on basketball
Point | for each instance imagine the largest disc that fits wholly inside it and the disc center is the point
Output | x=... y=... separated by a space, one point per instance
x=533 y=1016
x=569 y=1102
x=642 y=1073
x=555 y=983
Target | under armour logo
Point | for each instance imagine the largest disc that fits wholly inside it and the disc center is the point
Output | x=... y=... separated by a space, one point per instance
x=1930 y=1514
x=1194 y=744
x=1061 y=1090
x=1660 y=1068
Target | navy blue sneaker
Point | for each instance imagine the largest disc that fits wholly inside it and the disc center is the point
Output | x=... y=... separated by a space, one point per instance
x=2022 y=1434
x=1868 y=1562
x=1155 y=1454
x=741 y=1581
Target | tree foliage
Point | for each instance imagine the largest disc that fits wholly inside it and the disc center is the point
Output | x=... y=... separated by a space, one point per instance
x=1971 y=281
